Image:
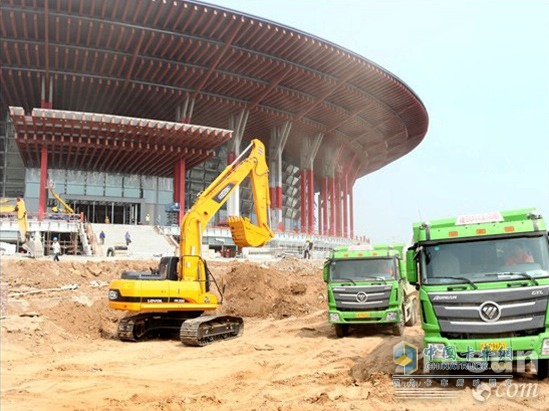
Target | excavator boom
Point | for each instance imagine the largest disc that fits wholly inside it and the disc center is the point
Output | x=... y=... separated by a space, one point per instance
x=244 y=232
x=67 y=209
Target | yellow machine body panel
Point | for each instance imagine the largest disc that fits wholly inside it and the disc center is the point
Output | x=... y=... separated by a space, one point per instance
x=20 y=211
x=163 y=295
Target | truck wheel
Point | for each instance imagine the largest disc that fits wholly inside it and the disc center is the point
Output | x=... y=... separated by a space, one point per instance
x=398 y=328
x=412 y=319
x=342 y=330
x=543 y=369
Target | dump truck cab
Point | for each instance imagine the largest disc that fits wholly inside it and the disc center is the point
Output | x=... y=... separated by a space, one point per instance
x=483 y=284
x=367 y=285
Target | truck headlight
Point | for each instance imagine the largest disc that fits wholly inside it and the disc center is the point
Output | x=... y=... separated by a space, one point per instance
x=434 y=351
x=391 y=316
x=545 y=347
x=334 y=317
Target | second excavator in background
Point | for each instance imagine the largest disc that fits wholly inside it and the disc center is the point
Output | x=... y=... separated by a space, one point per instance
x=17 y=208
x=65 y=208
x=175 y=296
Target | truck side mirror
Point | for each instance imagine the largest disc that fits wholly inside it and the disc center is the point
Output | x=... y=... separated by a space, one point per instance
x=411 y=266
x=326 y=271
x=402 y=270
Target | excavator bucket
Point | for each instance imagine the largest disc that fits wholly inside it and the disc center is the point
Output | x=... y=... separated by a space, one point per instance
x=246 y=234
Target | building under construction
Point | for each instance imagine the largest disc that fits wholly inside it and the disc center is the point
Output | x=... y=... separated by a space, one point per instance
x=129 y=109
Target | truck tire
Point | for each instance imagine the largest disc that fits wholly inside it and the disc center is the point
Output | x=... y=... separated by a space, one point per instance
x=543 y=369
x=342 y=330
x=398 y=328
x=412 y=319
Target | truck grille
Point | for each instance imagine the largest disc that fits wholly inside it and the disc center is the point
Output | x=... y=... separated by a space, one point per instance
x=362 y=298
x=505 y=312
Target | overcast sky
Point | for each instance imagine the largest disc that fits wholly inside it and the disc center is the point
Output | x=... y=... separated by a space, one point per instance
x=482 y=70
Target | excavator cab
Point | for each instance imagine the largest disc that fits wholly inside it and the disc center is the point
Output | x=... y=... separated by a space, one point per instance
x=167 y=270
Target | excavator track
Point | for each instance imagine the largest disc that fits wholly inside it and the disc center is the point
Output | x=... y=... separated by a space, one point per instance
x=207 y=329
x=141 y=326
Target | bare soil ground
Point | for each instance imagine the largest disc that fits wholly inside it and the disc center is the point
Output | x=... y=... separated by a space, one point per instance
x=59 y=350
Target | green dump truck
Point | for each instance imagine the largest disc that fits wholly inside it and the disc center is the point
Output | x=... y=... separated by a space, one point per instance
x=483 y=283
x=367 y=286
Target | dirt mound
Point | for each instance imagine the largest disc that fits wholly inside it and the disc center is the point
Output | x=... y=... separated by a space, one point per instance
x=275 y=290
x=72 y=295
x=69 y=297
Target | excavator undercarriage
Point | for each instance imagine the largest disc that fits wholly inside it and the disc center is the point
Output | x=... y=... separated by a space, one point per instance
x=193 y=328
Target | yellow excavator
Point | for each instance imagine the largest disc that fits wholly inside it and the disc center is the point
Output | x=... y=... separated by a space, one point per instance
x=29 y=243
x=174 y=297
x=66 y=209
x=7 y=206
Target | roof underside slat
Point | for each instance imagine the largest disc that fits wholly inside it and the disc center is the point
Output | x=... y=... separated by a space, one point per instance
x=147 y=60
x=86 y=141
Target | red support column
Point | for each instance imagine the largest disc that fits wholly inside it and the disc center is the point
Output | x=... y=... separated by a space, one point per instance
x=324 y=206
x=351 y=214
x=176 y=182
x=338 y=205
x=303 y=201
x=332 y=207
x=272 y=193
x=179 y=187
x=43 y=193
x=311 y=202
x=319 y=211
x=346 y=205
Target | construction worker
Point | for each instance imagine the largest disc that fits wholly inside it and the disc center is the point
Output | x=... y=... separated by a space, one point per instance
x=56 y=248
x=308 y=249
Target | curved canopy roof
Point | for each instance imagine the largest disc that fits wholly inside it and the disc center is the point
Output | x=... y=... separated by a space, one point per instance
x=154 y=59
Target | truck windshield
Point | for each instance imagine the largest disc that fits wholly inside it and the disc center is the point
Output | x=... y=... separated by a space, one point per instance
x=500 y=259
x=363 y=269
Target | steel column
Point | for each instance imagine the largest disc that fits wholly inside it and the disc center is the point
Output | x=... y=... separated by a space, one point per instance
x=303 y=196
x=43 y=193
x=311 y=202
x=309 y=150
x=238 y=125
x=325 y=224
x=181 y=189
x=332 y=206
x=337 y=205
x=346 y=204
x=176 y=182
x=351 y=215
x=277 y=142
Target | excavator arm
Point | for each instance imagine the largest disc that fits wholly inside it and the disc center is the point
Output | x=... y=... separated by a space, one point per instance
x=244 y=232
x=67 y=209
